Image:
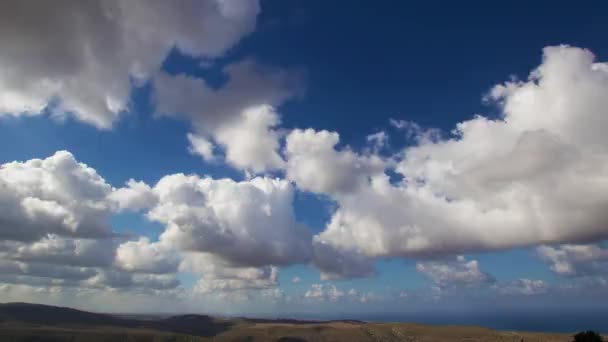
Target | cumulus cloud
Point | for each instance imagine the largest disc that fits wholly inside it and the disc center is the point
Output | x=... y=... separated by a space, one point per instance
x=78 y=57
x=232 y=234
x=64 y=251
x=252 y=143
x=201 y=146
x=115 y=279
x=324 y=292
x=315 y=165
x=56 y=195
x=575 y=260
x=275 y=295
x=219 y=275
x=367 y=297
x=337 y=263
x=535 y=175
x=45 y=270
x=135 y=196
x=523 y=286
x=239 y=116
x=459 y=272
x=378 y=140
x=248 y=223
x=267 y=278
x=207 y=108
x=146 y=257
x=414 y=132
x=55 y=229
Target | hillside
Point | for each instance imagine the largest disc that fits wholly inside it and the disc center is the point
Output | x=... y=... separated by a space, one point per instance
x=34 y=322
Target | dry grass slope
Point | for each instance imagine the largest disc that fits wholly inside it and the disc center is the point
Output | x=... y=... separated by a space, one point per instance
x=26 y=322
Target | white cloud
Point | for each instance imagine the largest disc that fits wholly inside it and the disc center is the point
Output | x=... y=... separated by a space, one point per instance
x=64 y=251
x=536 y=175
x=576 y=260
x=324 y=292
x=45 y=270
x=219 y=275
x=315 y=165
x=55 y=229
x=414 y=132
x=296 y=280
x=239 y=231
x=124 y=280
x=84 y=53
x=239 y=116
x=201 y=146
x=368 y=297
x=147 y=257
x=378 y=140
x=135 y=196
x=248 y=223
x=275 y=294
x=459 y=272
x=268 y=280
x=251 y=143
x=524 y=286
x=56 y=195
x=249 y=85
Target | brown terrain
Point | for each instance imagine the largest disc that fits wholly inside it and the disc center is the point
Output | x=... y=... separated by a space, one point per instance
x=32 y=322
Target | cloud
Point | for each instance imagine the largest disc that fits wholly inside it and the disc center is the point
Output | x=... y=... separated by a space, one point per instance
x=232 y=234
x=201 y=146
x=536 y=175
x=219 y=275
x=45 y=270
x=315 y=165
x=524 y=286
x=378 y=140
x=56 y=195
x=296 y=280
x=239 y=116
x=135 y=196
x=575 y=260
x=248 y=223
x=146 y=257
x=336 y=263
x=252 y=144
x=208 y=109
x=324 y=292
x=368 y=297
x=414 y=132
x=79 y=57
x=64 y=251
x=55 y=229
x=275 y=295
x=114 y=279
x=459 y=272
x=267 y=279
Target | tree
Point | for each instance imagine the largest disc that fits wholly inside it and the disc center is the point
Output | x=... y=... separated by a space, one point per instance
x=588 y=336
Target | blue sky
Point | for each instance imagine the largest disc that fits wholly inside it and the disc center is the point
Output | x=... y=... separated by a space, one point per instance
x=351 y=70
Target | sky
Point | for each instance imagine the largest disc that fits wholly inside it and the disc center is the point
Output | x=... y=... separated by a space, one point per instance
x=311 y=158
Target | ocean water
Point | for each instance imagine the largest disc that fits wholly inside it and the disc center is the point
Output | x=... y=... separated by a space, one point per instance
x=544 y=321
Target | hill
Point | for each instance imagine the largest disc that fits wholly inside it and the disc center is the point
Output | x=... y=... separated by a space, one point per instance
x=34 y=322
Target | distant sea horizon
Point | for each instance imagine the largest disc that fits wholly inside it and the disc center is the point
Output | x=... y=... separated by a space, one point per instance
x=535 y=321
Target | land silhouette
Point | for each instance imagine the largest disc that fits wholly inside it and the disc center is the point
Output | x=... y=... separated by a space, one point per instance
x=35 y=322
